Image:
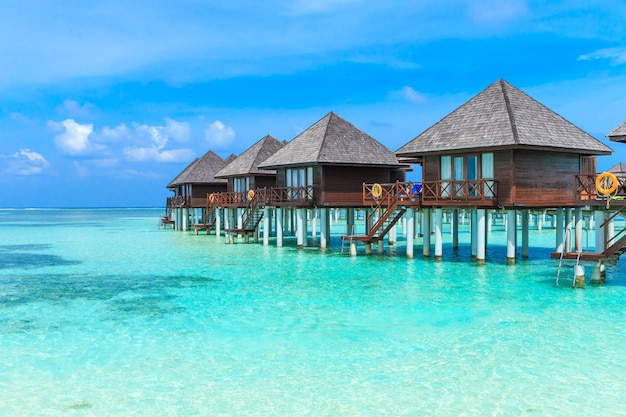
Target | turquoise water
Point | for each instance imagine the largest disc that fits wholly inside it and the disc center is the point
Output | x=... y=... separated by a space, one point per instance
x=102 y=313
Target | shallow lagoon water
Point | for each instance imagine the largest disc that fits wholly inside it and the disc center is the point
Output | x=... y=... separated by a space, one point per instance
x=104 y=313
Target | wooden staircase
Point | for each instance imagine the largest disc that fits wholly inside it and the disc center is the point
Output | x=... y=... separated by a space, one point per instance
x=209 y=217
x=251 y=217
x=387 y=218
x=614 y=247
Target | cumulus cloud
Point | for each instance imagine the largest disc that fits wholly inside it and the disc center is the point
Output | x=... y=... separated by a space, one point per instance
x=24 y=162
x=616 y=55
x=218 y=135
x=73 y=108
x=157 y=154
x=114 y=134
x=408 y=94
x=179 y=131
x=73 y=137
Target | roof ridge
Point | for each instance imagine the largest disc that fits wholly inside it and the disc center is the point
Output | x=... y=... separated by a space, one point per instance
x=319 y=150
x=509 y=111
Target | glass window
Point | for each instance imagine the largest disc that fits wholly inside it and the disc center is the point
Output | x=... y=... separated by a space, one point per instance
x=446 y=174
x=487 y=172
x=458 y=175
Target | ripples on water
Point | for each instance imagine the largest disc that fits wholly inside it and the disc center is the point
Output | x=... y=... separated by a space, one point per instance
x=119 y=317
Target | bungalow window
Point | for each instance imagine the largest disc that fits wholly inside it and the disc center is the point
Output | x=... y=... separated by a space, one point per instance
x=299 y=180
x=460 y=171
x=241 y=184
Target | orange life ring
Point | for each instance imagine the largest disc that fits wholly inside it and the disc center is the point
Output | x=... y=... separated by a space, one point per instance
x=211 y=197
x=377 y=190
x=606 y=183
x=250 y=195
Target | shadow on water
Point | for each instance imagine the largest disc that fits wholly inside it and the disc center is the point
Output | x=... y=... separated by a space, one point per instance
x=22 y=257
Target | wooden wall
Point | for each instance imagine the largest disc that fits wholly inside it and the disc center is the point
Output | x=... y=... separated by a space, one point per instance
x=528 y=177
x=342 y=186
x=545 y=179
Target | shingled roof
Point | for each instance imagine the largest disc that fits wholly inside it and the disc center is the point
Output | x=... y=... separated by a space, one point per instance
x=332 y=141
x=618 y=134
x=503 y=116
x=248 y=162
x=201 y=171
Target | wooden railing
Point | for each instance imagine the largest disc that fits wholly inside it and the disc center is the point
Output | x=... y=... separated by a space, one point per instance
x=585 y=189
x=177 y=202
x=403 y=193
x=482 y=191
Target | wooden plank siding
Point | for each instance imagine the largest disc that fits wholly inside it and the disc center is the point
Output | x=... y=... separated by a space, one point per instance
x=342 y=186
x=544 y=179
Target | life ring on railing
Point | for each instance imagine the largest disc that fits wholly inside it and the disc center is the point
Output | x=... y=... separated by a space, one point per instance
x=606 y=183
x=211 y=197
x=377 y=190
x=250 y=195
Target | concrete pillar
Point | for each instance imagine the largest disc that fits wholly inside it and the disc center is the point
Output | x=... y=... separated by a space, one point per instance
x=324 y=218
x=599 y=218
x=489 y=222
x=481 y=231
x=279 y=227
x=305 y=227
x=299 y=228
x=313 y=223
x=392 y=236
x=185 y=219
x=578 y=242
x=410 y=220
x=511 y=238
x=218 y=221
x=266 y=226
x=454 y=227
x=353 y=248
x=560 y=238
x=569 y=225
x=438 y=223
x=381 y=247
x=426 y=229
x=525 y=224
x=610 y=228
x=473 y=233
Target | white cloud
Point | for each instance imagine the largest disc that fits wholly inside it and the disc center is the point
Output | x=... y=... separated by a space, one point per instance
x=616 y=55
x=407 y=93
x=73 y=138
x=155 y=154
x=496 y=11
x=179 y=131
x=73 y=108
x=218 y=135
x=115 y=134
x=25 y=162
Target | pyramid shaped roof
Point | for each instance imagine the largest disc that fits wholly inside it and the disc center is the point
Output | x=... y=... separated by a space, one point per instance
x=332 y=140
x=201 y=171
x=503 y=116
x=248 y=162
x=619 y=133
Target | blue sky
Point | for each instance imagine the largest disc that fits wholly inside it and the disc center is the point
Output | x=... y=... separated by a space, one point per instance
x=103 y=103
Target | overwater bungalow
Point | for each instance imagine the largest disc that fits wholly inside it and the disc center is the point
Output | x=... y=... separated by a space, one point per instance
x=618 y=134
x=325 y=167
x=502 y=150
x=191 y=187
x=245 y=178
